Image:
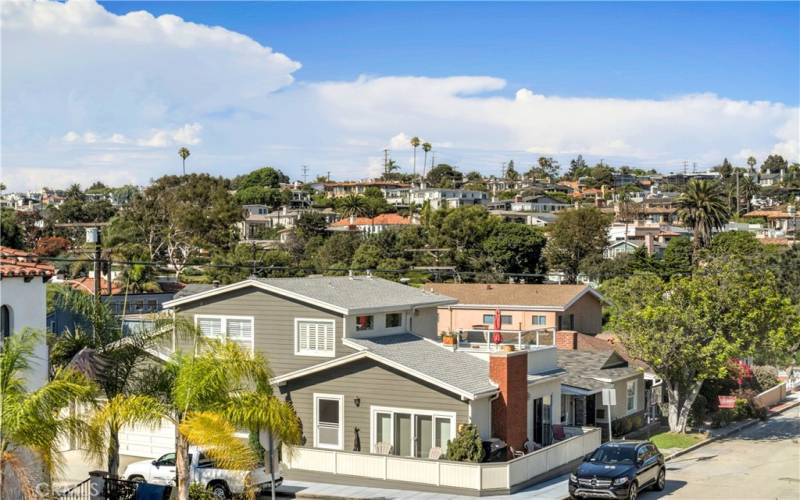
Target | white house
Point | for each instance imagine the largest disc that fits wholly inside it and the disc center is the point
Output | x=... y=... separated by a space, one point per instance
x=23 y=304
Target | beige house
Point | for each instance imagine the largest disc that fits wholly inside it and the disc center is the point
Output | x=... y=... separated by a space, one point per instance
x=522 y=307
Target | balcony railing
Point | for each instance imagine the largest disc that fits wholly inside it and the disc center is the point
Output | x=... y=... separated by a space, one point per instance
x=481 y=339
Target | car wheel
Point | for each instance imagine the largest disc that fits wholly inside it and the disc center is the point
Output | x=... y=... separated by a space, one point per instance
x=661 y=482
x=136 y=479
x=219 y=490
x=633 y=492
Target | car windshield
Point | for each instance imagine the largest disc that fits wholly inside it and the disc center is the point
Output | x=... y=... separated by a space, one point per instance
x=612 y=454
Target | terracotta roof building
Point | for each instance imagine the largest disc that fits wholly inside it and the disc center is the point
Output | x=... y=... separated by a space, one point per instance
x=371 y=225
x=19 y=263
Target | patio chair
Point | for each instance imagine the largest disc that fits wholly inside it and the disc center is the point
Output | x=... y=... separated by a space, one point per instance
x=558 y=433
x=435 y=453
x=383 y=448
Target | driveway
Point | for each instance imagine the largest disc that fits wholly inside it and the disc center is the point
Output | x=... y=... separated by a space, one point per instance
x=761 y=462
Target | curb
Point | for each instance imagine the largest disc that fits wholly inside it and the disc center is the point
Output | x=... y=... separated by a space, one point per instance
x=745 y=425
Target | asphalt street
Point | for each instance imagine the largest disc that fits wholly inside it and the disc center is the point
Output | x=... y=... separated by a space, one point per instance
x=760 y=462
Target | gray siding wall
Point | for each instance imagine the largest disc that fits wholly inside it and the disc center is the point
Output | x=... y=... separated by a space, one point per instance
x=273 y=324
x=375 y=385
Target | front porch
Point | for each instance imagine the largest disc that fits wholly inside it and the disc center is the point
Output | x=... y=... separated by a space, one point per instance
x=477 y=479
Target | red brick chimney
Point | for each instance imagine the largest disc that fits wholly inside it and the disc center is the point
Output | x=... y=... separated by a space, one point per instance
x=509 y=370
x=567 y=340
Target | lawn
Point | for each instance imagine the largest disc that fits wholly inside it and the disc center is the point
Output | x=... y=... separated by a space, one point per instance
x=667 y=440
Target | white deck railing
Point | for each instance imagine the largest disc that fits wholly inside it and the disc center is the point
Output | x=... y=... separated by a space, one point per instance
x=479 y=477
x=482 y=337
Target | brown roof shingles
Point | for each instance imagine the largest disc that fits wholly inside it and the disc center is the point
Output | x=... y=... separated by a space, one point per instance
x=509 y=294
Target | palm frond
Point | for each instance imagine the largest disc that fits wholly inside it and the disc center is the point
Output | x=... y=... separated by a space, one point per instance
x=215 y=434
x=21 y=471
x=259 y=411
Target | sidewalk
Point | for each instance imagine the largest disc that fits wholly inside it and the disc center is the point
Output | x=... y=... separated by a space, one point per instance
x=554 y=489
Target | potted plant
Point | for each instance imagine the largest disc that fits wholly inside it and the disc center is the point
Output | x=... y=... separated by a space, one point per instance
x=449 y=339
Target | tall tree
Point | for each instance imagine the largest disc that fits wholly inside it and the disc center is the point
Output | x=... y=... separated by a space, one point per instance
x=774 y=164
x=415 y=142
x=426 y=148
x=703 y=207
x=576 y=234
x=352 y=205
x=266 y=177
x=177 y=217
x=444 y=175
x=515 y=248
x=689 y=328
x=751 y=162
x=31 y=421
x=578 y=168
x=749 y=188
x=184 y=153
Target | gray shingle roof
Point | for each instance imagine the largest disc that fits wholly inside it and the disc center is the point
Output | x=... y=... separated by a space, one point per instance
x=584 y=368
x=456 y=369
x=349 y=295
x=359 y=293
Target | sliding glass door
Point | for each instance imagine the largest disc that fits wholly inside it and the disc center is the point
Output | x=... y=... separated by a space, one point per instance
x=410 y=433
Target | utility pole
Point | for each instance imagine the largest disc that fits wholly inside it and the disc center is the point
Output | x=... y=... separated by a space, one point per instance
x=685 y=167
x=305 y=174
x=328 y=177
x=737 y=194
x=694 y=167
x=433 y=159
x=385 y=161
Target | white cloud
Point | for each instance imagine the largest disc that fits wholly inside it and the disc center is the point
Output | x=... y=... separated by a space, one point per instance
x=122 y=92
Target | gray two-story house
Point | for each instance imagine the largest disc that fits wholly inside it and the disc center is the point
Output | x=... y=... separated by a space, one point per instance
x=362 y=364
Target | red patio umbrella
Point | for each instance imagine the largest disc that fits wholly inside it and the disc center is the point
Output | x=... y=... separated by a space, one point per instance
x=498 y=324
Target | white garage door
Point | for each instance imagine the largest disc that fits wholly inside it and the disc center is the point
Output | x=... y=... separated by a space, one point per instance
x=142 y=441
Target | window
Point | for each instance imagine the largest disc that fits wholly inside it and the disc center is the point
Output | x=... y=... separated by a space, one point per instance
x=505 y=319
x=364 y=323
x=237 y=329
x=393 y=320
x=539 y=320
x=412 y=433
x=630 y=391
x=328 y=421
x=5 y=322
x=167 y=460
x=314 y=337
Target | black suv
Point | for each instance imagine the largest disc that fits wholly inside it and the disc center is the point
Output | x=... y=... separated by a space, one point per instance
x=619 y=469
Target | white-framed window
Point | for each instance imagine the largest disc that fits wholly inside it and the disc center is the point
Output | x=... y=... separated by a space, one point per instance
x=411 y=433
x=365 y=322
x=505 y=319
x=329 y=421
x=630 y=392
x=539 y=320
x=237 y=329
x=394 y=320
x=315 y=337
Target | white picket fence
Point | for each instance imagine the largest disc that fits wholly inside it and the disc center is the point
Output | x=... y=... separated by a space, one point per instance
x=479 y=477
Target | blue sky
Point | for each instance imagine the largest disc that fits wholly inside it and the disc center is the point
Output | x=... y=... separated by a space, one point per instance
x=110 y=91
x=745 y=51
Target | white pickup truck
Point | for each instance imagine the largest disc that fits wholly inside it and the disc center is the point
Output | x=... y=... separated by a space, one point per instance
x=222 y=483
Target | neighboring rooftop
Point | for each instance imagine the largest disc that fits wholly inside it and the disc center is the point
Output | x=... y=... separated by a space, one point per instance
x=19 y=263
x=343 y=294
x=378 y=220
x=591 y=370
x=553 y=296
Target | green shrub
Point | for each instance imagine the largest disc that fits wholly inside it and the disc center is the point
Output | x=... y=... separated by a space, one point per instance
x=722 y=418
x=198 y=492
x=741 y=410
x=766 y=377
x=467 y=445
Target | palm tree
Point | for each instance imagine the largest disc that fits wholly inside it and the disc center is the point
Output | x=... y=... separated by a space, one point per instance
x=31 y=423
x=415 y=142
x=100 y=350
x=703 y=207
x=749 y=188
x=352 y=205
x=426 y=147
x=209 y=394
x=184 y=153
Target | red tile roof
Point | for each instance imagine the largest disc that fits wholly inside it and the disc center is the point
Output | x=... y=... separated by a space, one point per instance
x=380 y=220
x=19 y=263
x=86 y=285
